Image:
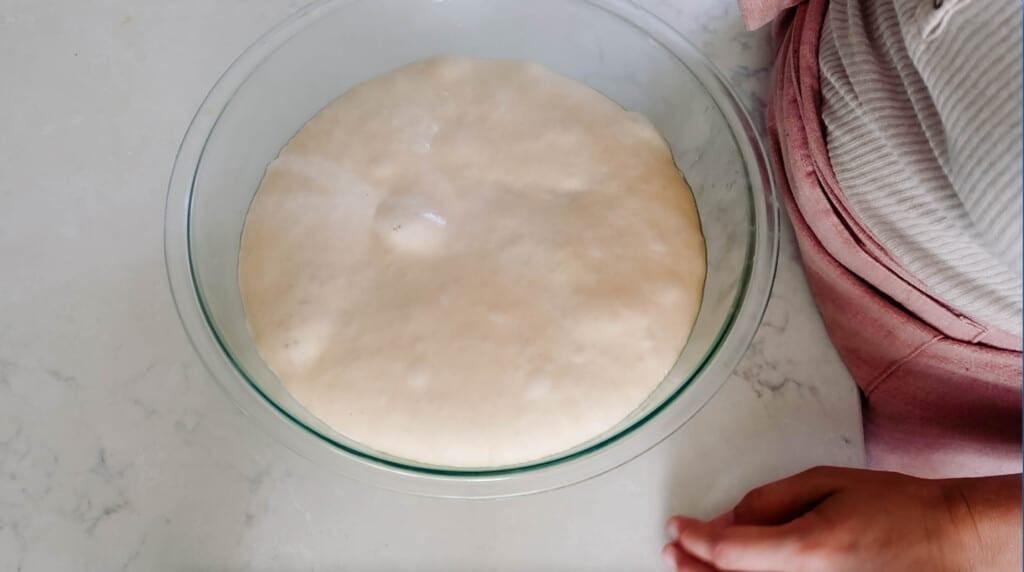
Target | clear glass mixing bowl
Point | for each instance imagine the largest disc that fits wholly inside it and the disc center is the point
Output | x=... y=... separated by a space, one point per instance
x=291 y=73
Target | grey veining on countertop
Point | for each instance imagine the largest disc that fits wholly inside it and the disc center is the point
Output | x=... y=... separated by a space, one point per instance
x=117 y=452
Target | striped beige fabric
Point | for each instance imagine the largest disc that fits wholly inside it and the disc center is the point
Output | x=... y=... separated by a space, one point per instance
x=922 y=110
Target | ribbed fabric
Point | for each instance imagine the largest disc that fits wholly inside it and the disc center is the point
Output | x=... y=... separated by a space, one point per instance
x=922 y=110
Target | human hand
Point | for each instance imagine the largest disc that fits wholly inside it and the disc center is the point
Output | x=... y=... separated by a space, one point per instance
x=837 y=520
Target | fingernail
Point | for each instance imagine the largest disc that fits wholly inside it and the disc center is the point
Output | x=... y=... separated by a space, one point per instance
x=676 y=524
x=669 y=554
x=693 y=539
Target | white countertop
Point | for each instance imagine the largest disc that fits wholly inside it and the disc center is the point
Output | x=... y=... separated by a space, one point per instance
x=117 y=451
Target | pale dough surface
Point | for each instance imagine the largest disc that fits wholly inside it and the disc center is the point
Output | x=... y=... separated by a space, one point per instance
x=472 y=263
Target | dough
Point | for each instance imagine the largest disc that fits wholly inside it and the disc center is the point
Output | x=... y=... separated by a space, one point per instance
x=472 y=263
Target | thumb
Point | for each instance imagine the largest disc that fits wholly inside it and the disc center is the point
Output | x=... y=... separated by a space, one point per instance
x=782 y=501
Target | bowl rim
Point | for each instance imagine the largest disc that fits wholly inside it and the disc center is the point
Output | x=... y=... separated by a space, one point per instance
x=605 y=454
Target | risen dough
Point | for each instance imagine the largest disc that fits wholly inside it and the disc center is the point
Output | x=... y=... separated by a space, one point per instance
x=472 y=263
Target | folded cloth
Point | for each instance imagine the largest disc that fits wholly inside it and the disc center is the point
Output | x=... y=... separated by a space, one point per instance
x=942 y=394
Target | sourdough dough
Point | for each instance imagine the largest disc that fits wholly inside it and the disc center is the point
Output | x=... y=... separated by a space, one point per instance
x=472 y=263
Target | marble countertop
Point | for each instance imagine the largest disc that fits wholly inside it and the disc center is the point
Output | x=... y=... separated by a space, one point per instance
x=117 y=452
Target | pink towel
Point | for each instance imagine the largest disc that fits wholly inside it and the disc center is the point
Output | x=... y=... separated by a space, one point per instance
x=757 y=13
x=942 y=393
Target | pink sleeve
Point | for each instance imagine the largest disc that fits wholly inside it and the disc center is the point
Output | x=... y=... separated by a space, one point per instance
x=757 y=13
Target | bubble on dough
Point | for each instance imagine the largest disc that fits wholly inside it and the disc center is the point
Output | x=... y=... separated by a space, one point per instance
x=408 y=223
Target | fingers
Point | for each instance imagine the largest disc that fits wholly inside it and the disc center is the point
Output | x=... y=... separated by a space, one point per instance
x=683 y=562
x=677 y=523
x=766 y=529
x=749 y=548
x=782 y=501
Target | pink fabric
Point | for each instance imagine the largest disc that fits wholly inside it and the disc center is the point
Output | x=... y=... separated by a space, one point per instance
x=757 y=13
x=843 y=235
x=942 y=392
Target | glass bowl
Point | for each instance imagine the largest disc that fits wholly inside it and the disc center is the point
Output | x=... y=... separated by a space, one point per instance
x=617 y=48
